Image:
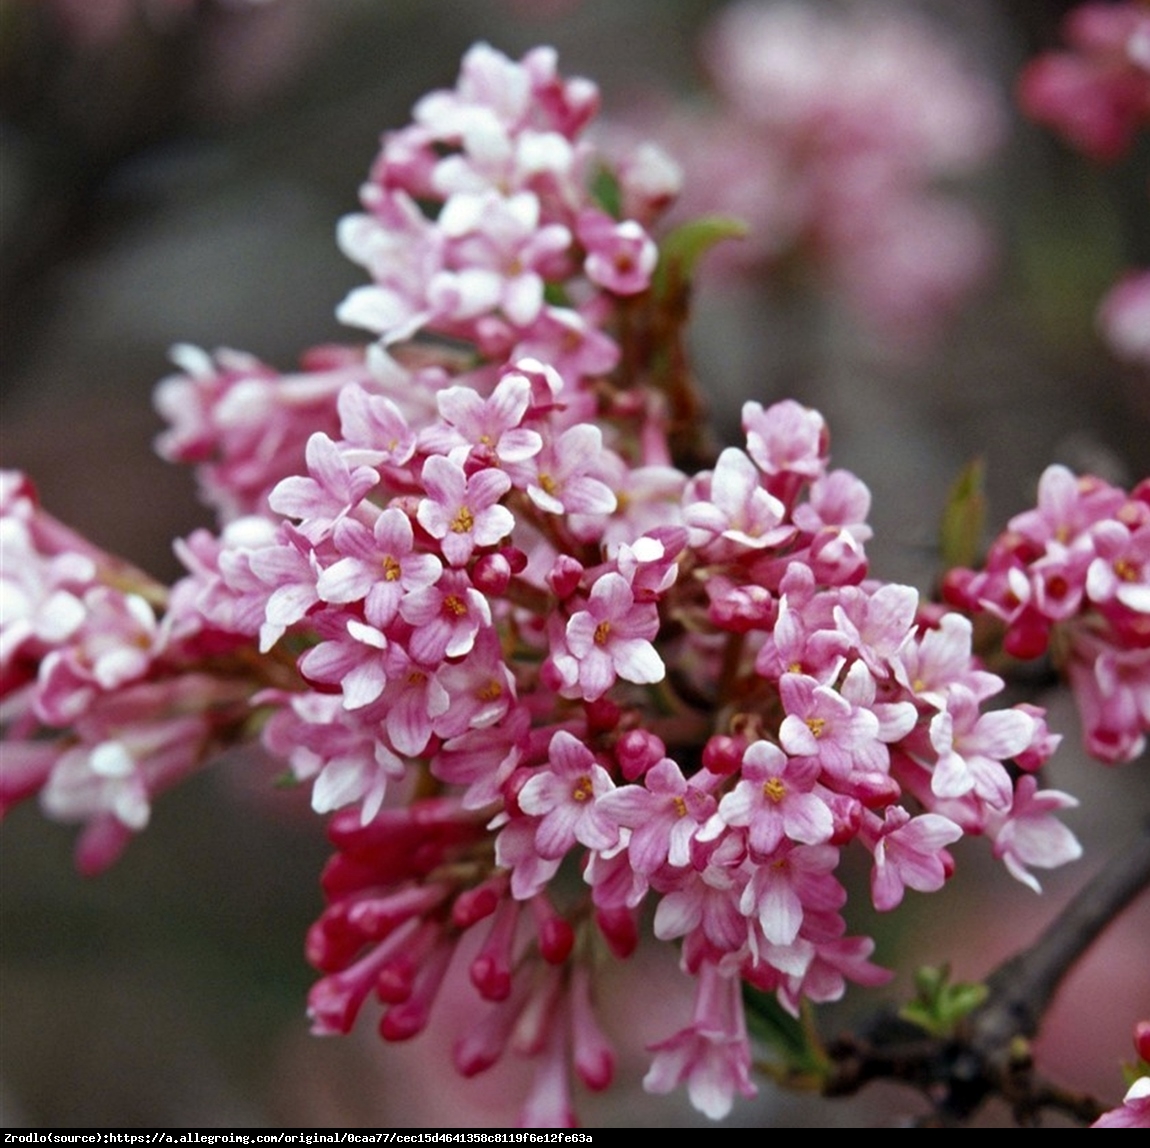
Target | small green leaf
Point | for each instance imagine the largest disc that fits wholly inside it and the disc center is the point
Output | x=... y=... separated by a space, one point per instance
x=606 y=192
x=680 y=252
x=963 y=517
x=939 y=1005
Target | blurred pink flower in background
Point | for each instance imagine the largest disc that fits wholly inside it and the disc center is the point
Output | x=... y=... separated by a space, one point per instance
x=1097 y=94
x=831 y=134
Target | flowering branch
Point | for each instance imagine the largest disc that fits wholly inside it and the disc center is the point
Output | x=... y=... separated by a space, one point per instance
x=548 y=660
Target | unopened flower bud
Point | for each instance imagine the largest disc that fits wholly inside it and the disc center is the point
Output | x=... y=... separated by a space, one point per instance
x=637 y=750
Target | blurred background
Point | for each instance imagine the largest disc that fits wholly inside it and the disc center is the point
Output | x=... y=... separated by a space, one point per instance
x=172 y=171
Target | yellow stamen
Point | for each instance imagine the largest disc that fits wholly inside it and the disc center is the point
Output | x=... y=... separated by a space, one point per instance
x=463 y=522
x=391 y=570
x=602 y=632
x=774 y=789
x=583 y=790
x=1126 y=570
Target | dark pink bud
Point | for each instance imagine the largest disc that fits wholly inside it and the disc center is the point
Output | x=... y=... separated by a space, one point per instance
x=491 y=575
x=491 y=969
x=1028 y=636
x=473 y=905
x=564 y=576
x=333 y=1004
x=511 y=788
x=619 y=930
x=395 y=980
x=516 y=558
x=1142 y=1040
x=637 y=750
x=403 y=1021
x=603 y=715
x=556 y=936
x=491 y=975
x=724 y=754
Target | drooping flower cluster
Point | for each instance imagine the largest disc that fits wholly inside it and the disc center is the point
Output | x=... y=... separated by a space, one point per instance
x=1072 y=577
x=543 y=676
x=831 y=136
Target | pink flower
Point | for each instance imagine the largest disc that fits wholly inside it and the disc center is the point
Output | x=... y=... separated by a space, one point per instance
x=786 y=438
x=379 y=566
x=663 y=814
x=565 y=482
x=712 y=1056
x=610 y=638
x=1030 y=835
x=490 y=428
x=620 y=256
x=463 y=513
x=1135 y=1109
x=735 y=506
x=774 y=800
x=565 y=794
x=910 y=853
x=972 y=746
x=447 y=617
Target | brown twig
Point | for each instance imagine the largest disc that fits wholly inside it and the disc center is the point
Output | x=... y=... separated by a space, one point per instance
x=989 y=1054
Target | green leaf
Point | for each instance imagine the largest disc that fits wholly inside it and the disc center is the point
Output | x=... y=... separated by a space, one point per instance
x=606 y=192
x=681 y=250
x=794 y=1042
x=939 y=1005
x=963 y=517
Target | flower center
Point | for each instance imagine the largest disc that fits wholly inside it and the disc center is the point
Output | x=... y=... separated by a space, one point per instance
x=815 y=725
x=680 y=806
x=391 y=570
x=774 y=789
x=602 y=633
x=582 y=790
x=454 y=605
x=1126 y=570
x=490 y=692
x=550 y=486
x=463 y=521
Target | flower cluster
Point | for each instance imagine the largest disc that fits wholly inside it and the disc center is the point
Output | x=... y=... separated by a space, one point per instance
x=544 y=674
x=831 y=135
x=1072 y=576
x=104 y=703
x=1097 y=94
